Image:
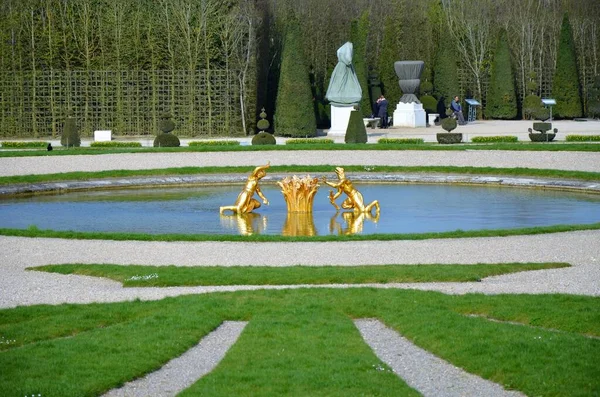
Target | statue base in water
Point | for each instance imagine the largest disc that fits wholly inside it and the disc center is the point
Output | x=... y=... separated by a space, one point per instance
x=409 y=115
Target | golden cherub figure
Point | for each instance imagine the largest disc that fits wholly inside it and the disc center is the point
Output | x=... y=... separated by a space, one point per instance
x=354 y=201
x=245 y=202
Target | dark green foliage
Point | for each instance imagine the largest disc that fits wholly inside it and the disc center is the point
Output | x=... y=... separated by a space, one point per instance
x=501 y=96
x=295 y=115
x=536 y=137
x=594 y=99
x=112 y=144
x=449 y=138
x=166 y=140
x=26 y=144
x=390 y=50
x=263 y=138
x=70 y=135
x=445 y=74
x=429 y=103
x=532 y=104
x=263 y=123
x=426 y=88
x=449 y=124
x=356 y=131
x=565 y=86
x=358 y=37
x=542 y=127
x=165 y=124
x=542 y=114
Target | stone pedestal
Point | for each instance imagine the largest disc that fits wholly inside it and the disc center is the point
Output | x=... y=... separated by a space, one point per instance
x=409 y=115
x=340 y=115
x=102 y=136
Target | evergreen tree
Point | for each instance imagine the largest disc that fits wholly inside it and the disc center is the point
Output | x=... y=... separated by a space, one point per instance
x=565 y=86
x=294 y=113
x=390 y=50
x=501 y=96
x=445 y=74
x=359 y=34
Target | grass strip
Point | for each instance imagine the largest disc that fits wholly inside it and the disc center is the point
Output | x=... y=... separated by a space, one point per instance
x=175 y=276
x=34 y=232
x=303 y=342
x=512 y=172
x=518 y=146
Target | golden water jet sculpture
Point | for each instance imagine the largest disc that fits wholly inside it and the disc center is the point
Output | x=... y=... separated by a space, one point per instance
x=299 y=193
x=245 y=201
x=354 y=201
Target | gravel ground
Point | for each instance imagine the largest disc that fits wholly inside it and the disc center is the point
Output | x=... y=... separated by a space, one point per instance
x=428 y=374
x=183 y=371
x=582 y=161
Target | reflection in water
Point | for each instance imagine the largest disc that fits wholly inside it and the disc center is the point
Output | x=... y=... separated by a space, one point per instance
x=353 y=222
x=247 y=224
x=299 y=224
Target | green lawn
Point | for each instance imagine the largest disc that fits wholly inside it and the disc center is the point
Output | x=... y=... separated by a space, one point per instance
x=173 y=276
x=303 y=342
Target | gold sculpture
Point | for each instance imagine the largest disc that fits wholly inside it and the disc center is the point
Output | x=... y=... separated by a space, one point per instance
x=354 y=201
x=299 y=224
x=299 y=193
x=245 y=203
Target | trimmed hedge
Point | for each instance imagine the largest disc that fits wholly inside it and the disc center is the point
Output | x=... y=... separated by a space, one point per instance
x=302 y=141
x=492 y=139
x=356 y=132
x=214 y=143
x=115 y=144
x=401 y=141
x=263 y=138
x=565 y=85
x=21 y=145
x=166 y=140
x=582 y=138
x=447 y=138
x=501 y=96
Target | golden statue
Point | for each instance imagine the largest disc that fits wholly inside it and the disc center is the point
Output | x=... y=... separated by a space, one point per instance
x=245 y=203
x=299 y=224
x=299 y=193
x=354 y=201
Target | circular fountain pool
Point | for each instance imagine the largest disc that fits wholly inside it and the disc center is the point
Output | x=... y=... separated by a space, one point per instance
x=405 y=208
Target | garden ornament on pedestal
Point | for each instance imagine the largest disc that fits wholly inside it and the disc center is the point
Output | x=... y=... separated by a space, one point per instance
x=409 y=111
x=542 y=127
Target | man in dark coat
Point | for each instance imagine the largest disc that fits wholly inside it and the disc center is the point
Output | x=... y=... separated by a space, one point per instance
x=382 y=105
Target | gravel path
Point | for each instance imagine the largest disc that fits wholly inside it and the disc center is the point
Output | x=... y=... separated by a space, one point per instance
x=428 y=374
x=582 y=161
x=20 y=287
x=183 y=371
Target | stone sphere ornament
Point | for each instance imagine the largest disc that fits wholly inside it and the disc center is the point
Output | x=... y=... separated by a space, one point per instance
x=409 y=74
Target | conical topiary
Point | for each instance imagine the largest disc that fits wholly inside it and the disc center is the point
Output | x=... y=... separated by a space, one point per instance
x=70 y=135
x=501 y=96
x=356 y=131
x=565 y=85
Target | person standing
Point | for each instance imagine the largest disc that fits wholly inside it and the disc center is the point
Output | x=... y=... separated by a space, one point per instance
x=457 y=110
x=382 y=105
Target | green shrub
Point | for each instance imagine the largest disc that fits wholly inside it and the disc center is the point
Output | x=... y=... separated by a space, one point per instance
x=390 y=47
x=532 y=106
x=115 y=144
x=263 y=123
x=449 y=138
x=449 y=124
x=401 y=141
x=426 y=88
x=594 y=98
x=20 y=145
x=295 y=115
x=302 y=141
x=429 y=103
x=356 y=131
x=445 y=72
x=582 y=138
x=214 y=143
x=359 y=32
x=501 y=96
x=70 y=135
x=565 y=85
x=166 y=140
x=165 y=124
x=263 y=138
x=490 y=139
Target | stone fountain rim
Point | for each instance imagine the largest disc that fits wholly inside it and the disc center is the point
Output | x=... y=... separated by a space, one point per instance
x=235 y=179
